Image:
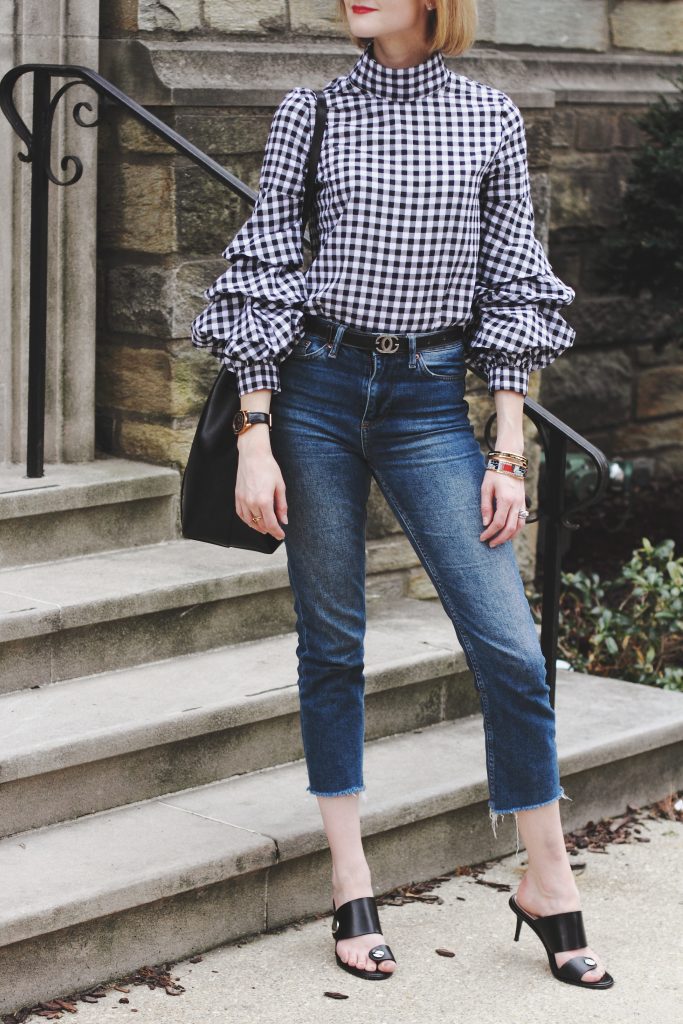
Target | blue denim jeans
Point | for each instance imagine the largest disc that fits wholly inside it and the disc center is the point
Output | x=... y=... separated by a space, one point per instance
x=343 y=416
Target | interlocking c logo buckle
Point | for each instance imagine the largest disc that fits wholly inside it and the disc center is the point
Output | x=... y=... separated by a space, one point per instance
x=386 y=343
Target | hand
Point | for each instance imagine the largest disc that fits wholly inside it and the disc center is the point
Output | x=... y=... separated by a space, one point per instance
x=509 y=495
x=259 y=487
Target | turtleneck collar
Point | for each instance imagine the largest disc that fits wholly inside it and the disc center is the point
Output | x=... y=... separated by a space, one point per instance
x=399 y=83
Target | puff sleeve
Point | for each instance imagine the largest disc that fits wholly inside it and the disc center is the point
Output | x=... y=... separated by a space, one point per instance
x=255 y=310
x=516 y=325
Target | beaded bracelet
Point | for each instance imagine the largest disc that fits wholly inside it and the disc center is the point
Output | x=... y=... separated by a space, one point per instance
x=510 y=468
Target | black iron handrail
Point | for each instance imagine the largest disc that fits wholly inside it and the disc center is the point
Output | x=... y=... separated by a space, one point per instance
x=554 y=434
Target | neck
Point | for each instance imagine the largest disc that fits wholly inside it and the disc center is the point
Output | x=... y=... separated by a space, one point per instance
x=397 y=51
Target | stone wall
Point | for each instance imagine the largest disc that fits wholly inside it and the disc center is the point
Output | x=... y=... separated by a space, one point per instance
x=622 y=386
x=594 y=25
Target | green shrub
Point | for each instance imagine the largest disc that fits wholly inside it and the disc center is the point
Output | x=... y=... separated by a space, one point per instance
x=630 y=627
x=645 y=250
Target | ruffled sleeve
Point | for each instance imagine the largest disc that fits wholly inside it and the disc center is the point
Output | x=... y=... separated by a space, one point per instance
x=255 y=313
x=516 y=325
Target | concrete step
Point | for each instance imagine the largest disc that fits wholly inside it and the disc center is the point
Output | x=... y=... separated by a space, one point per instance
x=117 y=737
x=101 y=612
x=170 y=877
x=81 y=508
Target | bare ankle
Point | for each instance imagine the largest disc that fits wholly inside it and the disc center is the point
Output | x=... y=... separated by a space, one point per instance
x=553 y=885
x=355 y=872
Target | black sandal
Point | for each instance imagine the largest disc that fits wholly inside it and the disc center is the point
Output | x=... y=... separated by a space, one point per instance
x=360 y=917
x=558 y=932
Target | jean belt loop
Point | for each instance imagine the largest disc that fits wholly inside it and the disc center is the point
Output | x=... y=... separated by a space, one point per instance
x=332 y=354
x=412 y=349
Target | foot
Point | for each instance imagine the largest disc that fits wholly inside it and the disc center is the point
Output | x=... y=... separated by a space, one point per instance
x=354 y=952
x=537 y=904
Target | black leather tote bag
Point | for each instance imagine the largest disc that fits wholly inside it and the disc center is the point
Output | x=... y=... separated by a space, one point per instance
x=207 y=495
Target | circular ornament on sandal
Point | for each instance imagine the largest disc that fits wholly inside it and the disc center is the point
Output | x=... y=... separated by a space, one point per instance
x=590 y=961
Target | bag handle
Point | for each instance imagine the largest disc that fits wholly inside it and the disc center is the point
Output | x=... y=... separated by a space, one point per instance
x=314 y=155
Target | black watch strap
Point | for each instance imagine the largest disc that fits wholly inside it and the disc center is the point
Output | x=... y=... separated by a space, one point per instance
x=246 y=416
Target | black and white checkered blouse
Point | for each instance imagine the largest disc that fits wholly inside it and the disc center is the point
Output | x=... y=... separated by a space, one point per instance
x=423 y=219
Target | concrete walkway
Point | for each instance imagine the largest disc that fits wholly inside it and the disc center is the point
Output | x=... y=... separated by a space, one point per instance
x=632 y=899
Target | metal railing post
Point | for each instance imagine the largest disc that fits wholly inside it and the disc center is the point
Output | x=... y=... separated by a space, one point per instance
x=554 y=485
x=35 y=431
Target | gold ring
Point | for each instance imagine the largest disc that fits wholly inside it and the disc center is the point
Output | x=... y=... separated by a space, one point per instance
x=255 y=519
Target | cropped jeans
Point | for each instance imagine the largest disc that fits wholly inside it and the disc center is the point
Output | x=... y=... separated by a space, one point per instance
x=345 y=415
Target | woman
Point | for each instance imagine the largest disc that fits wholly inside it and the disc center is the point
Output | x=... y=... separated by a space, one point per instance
x=425 y=263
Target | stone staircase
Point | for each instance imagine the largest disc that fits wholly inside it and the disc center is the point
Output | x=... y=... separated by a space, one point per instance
x=153 y=795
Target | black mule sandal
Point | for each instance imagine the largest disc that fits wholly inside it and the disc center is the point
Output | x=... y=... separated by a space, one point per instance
x=558 y=932
x=360 y=917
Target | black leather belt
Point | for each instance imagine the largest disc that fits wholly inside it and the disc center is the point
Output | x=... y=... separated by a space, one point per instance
x=380 y=341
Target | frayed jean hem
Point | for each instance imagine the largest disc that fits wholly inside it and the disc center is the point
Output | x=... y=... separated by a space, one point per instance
x=342 y=792
x=493 y=814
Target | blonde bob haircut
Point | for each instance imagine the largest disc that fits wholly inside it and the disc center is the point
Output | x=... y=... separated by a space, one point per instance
x=452 y=26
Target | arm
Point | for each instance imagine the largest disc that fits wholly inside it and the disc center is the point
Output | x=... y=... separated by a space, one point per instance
x=516 y=325
x=253 y=320
x=254 y=314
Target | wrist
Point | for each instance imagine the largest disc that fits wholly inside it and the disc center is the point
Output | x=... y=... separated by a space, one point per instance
x=254 y=437
x=510 y=443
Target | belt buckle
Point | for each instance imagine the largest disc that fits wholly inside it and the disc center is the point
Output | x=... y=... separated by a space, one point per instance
x=386 y=343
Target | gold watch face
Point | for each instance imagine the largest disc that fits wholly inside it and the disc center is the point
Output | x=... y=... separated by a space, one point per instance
x=238 y=421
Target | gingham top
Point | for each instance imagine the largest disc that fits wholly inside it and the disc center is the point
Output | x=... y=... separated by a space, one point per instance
x=423 y=219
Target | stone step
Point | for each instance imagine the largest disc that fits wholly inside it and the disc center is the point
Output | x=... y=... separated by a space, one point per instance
x=79 y=616
x=117 y=737
x=81 y=508
x=167 y=878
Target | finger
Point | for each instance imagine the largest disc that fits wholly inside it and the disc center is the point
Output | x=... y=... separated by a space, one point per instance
x=499 y=518
x=486 y=500
x=270 y=523
x=509 y=528
x=258 y=525
x=281 y=502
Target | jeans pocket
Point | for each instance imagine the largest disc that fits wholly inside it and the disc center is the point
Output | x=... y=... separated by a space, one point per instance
x=310 y=347
x=445 y=361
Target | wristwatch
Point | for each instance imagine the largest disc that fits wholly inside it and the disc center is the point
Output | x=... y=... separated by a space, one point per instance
x=245 y=418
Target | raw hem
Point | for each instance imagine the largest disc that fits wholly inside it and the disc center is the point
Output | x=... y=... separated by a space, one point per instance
x=493 y=814
x=342 y=792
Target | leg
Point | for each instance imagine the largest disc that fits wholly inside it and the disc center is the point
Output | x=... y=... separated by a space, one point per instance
x=350 y=874
x=428 y=464
x=327 y=481
x=548 y=887
x=432 y=480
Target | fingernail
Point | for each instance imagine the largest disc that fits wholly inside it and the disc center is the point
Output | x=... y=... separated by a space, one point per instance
x=285 y=519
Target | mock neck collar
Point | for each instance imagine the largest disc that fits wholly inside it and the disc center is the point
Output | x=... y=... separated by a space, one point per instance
x=399 y=83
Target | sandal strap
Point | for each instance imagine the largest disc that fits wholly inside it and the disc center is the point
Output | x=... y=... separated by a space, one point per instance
x=357 y=917
x=562 y=931
x=575 y=968
x=381 y=952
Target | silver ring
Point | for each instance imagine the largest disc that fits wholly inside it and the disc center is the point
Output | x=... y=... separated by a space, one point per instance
x=523 y=513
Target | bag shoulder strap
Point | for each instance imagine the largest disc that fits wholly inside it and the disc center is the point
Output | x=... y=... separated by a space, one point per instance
x=314 y=154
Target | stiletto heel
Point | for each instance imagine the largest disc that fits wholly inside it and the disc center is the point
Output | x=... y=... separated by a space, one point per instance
x=558 y=932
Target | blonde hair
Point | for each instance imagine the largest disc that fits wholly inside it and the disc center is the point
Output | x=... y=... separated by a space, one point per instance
x=452 y=26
